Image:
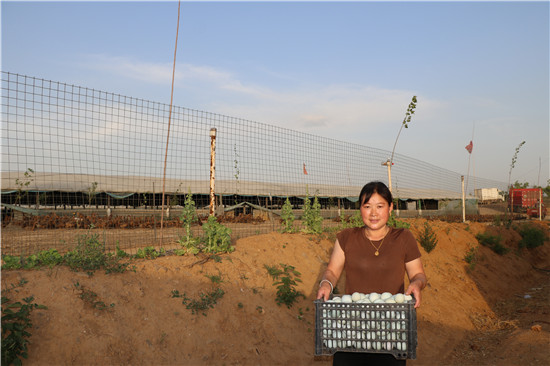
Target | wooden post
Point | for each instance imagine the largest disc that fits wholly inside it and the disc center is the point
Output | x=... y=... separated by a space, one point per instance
x=212 y=171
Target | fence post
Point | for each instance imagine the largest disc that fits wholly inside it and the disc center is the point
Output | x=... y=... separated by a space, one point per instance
x=212 y=170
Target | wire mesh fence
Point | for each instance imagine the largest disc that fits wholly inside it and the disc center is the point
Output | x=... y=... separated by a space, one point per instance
x=75 y=158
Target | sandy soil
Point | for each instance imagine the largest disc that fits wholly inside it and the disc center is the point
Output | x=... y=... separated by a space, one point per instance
x=478 y=316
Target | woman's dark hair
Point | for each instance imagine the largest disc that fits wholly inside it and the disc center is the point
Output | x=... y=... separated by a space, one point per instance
x=375 y=187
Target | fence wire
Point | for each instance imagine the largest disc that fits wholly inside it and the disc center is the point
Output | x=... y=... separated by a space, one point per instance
x=70 y=153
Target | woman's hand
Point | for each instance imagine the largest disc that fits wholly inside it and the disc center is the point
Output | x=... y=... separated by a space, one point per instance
x=417 y=280
x=324 y=290
x=415 y=288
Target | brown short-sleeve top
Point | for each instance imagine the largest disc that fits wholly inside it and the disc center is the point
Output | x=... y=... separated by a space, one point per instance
x=368 y=273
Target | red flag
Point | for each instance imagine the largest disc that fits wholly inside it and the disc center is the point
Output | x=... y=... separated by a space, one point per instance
x=305 y=171
x=470 y=147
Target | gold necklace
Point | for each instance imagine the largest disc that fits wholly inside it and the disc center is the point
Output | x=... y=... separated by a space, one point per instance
x=377 y=252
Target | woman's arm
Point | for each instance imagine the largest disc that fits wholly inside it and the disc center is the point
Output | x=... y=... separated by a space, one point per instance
x=417 y=279
x=332 y=273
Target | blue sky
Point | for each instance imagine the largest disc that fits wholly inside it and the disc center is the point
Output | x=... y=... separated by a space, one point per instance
x=344 y=70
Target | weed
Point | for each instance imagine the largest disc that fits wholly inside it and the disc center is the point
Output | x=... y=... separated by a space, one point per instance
x=89 y=297
x=492 y=242
x=428 y=238
x=531 y=236
x=204 y=302
x=16 y=321
x=286 y=280
x=215 y=278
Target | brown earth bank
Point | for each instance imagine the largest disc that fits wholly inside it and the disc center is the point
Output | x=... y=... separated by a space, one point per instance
x=495 y=312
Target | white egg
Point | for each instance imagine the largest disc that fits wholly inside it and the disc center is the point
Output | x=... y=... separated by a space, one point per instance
x=408 y=297
x=346 y=298
x=399 y=346
x=374 y=296
x=378 y=301
x=403 y=346
x=399 y=298
x=390 y=301
x=385 y=295
x=356 y=296
x=336 y=299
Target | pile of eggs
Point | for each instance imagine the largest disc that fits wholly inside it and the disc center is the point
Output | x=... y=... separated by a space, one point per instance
x=371 y=327
x=373 y=297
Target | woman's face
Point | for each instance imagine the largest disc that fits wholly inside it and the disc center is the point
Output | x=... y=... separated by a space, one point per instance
x=376 y=212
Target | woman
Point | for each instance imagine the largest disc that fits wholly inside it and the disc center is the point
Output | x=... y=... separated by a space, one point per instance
x=376 y=258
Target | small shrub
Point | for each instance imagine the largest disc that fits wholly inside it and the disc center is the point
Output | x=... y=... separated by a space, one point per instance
x=531 y=236
x=89 y=254
x=217 y=237
x=493 y=242
x=428 y=238
x=312 y=216
x=471 y=257
x=287 y=216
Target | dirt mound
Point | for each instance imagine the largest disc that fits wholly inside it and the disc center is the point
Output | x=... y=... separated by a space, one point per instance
x=493 y=312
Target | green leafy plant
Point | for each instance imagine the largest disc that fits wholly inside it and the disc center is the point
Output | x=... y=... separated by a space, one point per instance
x=188 y=217
x=16 y=321
x=89 y=253
x=312 y=216
x=49 y=258
x=492 y=242
x=287 y=216
x=428 y=238
x=217 y=237
x=531 y=236
x=286 y=279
